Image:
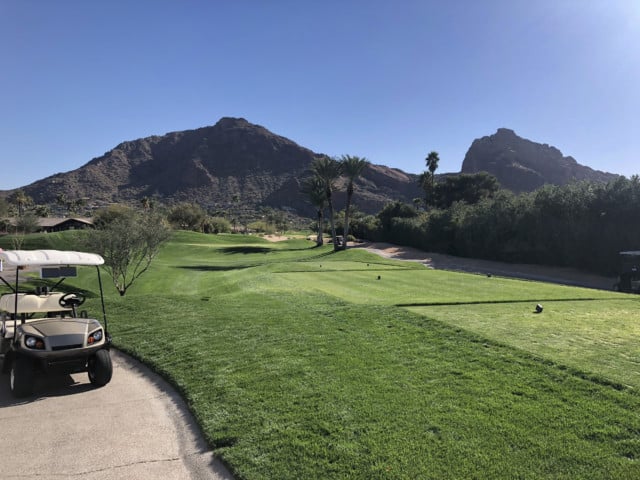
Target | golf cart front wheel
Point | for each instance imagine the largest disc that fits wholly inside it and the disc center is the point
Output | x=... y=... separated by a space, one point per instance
x=100 y=368
x=21 y=377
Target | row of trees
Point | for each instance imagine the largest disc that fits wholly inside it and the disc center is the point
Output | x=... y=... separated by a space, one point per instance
x=319 y=188
x=19 y=204
x=19 y=214
x=582 y=225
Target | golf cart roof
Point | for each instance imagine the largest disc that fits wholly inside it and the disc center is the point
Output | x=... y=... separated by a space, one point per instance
x=47 y=258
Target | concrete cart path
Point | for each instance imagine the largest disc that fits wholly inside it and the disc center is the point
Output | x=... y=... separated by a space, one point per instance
x=136 y=427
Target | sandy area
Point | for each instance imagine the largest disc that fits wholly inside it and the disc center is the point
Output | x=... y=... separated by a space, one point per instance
x=565 y=276
x=275 y=238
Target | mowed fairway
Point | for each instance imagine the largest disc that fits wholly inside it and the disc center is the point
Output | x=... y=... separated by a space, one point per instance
x=302 y=363
x=594 y=331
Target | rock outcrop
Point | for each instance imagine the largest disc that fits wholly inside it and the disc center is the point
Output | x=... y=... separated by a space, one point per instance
x=522 y=165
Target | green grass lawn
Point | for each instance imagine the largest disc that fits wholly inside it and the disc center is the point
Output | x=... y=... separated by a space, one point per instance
x=302 y=363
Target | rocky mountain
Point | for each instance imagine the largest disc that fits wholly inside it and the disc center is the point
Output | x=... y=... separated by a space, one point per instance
x=231 y=161
x=522 y=165
x=237 y=164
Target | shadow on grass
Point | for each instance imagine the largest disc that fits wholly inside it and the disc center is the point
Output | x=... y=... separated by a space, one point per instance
x=496 y=302
x=320 y=255
x=325 y=270
x=216 y=268
x=249 y=249
x=245 y=250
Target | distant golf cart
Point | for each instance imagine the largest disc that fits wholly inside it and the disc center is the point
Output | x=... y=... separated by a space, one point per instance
x=41 y=330
x=629 y=279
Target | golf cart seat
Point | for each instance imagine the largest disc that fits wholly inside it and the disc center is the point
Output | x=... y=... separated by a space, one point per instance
x=31 y=303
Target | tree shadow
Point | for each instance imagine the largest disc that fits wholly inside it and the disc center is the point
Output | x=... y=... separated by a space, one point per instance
x=216 y=268
x=497 y=302
x=245 y=250
x=333 y=269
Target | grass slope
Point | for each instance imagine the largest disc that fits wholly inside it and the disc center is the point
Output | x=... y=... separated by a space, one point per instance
x=301 y=363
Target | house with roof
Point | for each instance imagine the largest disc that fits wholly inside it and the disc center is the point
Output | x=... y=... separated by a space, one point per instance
x=59 y=224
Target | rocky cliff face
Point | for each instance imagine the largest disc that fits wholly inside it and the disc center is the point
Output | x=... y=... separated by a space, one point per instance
x=211 y=166
x=522 y=165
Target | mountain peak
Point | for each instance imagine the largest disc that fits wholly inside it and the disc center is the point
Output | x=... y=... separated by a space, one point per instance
x=505 y=132
x=523 y=165
x=232 y=122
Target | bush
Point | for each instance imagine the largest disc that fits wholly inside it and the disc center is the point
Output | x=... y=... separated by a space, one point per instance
x=187 y=216
x=260 y=226
x=217 y=225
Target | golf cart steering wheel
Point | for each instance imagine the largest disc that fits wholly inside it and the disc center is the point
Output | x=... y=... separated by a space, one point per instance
x=71 y=299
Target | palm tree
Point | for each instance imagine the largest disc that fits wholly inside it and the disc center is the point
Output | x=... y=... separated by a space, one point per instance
x=20 y=199
x=314 y=189
x=432 y=164
x=328 y=170
x=352 y=168
x=426 y=180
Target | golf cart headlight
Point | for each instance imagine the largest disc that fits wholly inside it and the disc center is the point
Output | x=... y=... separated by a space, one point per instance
x=34 y=342
x=95 y=337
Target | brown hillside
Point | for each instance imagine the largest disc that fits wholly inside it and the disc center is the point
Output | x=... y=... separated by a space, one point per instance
x=210 y=166
x=522 y=165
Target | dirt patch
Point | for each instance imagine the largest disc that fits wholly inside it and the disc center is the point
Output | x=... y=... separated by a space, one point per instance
x=565 y=276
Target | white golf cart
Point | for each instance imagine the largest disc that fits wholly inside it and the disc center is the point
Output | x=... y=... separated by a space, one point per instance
x=41 y=330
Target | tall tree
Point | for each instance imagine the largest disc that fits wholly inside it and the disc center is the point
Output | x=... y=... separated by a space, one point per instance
x=328 y=170
x=352 y=168
x=424 y=181
x=432 y=161
x=20 y=199
x=4 y=208
x=466 y=187
x=61 y=199
x=427 y=178
x=314 y=190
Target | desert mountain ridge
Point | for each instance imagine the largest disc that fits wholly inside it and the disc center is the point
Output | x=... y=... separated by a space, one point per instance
x=521 y=165
x=233 y=161
x=237 y=161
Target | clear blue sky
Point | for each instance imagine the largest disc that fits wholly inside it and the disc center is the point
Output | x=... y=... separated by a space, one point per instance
x=388 y=80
